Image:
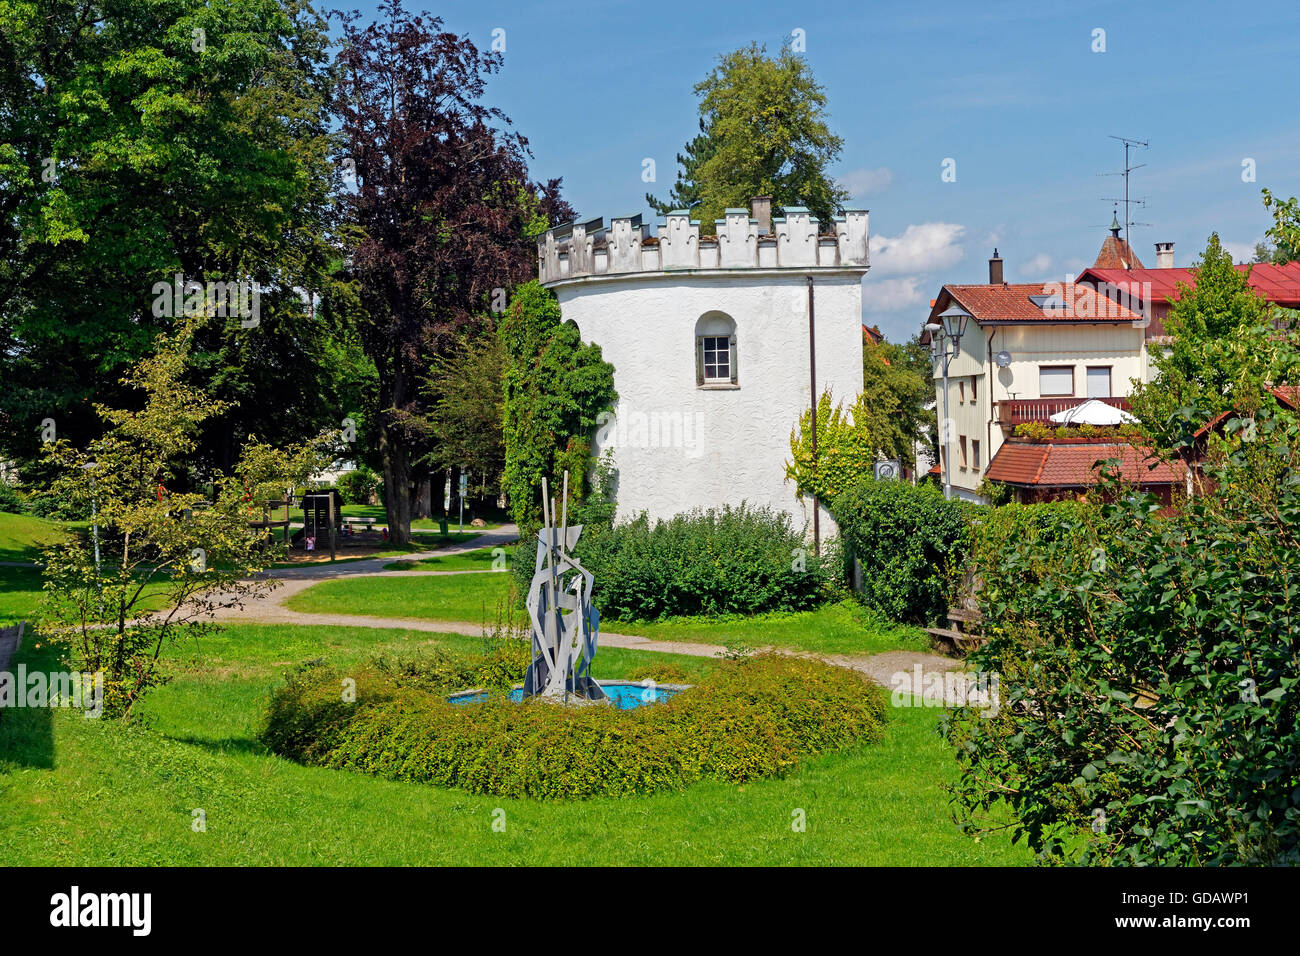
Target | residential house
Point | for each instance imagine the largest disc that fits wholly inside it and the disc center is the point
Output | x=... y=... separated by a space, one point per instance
x=1031 y=350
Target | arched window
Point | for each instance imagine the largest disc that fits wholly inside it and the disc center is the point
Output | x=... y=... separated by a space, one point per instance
x=715 y=350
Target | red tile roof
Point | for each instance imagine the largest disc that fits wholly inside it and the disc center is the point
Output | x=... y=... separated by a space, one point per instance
x=1117 y=254
x=1288 y=395
x=1278 y=284
x=1010 y=303
x=1076 y=464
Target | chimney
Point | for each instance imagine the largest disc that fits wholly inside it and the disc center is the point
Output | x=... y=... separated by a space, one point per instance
x=1164 y=255
x=762 y=206
x=995 y=269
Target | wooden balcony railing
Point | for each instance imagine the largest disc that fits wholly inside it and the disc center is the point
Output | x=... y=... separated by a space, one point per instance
x=1017 y=411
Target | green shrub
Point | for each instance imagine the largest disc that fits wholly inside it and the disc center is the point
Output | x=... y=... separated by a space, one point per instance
x=501 y=665
x=744 y=721
x=661 y=672
x=46 y=504
x=907 y=538
x=1147 y=660
x=360 y=487
x=730 y=561
x=11 y=500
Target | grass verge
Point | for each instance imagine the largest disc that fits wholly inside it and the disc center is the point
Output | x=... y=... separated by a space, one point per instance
x=86 y=792
x=841 y=628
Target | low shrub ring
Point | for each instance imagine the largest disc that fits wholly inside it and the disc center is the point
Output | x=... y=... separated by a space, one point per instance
x=745 y=720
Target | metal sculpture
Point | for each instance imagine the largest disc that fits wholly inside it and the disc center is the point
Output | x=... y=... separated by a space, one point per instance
x=565 y=624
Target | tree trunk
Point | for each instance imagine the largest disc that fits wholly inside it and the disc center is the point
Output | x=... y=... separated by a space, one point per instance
x=397 y=483
x=423 y=494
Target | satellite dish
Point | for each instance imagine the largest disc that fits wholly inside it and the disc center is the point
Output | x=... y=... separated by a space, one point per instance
x=1003 y=358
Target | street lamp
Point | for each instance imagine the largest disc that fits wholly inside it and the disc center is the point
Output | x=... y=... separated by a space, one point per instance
x=945 y=344
x=94 y=511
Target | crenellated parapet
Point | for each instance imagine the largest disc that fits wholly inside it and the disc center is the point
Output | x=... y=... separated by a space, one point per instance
x=794 y=241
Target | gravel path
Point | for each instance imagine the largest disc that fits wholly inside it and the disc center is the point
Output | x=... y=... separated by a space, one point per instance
x=895 y=670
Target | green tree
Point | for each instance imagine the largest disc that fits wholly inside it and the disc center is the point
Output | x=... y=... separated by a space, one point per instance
x=1146 y=706
x=142 y=140
x=1220 y=334
x=1285 y=231
x=157 y=566
x=898 y=383
x=848 y=444
x=763 y=133
x=467 y=413
x=685 y=193
x=555 y=387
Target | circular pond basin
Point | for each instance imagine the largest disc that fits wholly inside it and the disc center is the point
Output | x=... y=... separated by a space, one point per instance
x=623 y=694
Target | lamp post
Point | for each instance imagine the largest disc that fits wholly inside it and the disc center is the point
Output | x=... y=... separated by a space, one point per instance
x=90 y=466
x=945 y=344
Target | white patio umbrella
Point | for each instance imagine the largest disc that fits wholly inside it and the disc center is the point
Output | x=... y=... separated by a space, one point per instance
x=1093 y=412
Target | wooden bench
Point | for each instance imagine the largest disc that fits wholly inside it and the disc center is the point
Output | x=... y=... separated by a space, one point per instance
x=960 y=633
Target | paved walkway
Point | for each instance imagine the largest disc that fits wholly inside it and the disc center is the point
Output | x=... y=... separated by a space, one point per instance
x=892 y=669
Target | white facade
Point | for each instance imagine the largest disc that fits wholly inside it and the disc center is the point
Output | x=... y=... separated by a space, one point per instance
x=976 y=384
x=685 y=435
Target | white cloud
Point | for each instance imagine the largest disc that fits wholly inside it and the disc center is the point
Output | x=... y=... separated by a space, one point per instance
x=921 y=248
x=862 y=182
x=1241 y=251
x=889 y=295
x=1038 y=267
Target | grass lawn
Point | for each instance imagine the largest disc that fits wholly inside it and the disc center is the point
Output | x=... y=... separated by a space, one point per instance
x=480 y=560
x=422 y=524
x=20 y=590
x=21 y=536
x=843 y=628
x=420 y=541
x=470 y=597
x=86 y=792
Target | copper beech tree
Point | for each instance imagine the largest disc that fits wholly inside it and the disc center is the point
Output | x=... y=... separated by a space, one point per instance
x=439 y=217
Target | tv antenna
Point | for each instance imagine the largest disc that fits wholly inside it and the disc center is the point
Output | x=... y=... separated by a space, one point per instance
x=1129 y=144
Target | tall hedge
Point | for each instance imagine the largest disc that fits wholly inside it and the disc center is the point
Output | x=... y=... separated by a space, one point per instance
x=1149 y=662
x=908 y=539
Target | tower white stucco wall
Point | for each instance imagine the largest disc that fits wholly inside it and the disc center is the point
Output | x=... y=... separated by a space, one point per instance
x=679 y=445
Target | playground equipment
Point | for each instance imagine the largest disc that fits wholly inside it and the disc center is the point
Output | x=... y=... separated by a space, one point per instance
x=268 y=524
x=321 y=512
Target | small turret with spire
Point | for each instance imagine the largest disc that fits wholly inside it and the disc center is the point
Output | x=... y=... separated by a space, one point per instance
x=1115 y=252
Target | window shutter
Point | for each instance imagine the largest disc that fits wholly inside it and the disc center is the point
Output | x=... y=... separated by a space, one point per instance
x=732 y=342
x=699 y=360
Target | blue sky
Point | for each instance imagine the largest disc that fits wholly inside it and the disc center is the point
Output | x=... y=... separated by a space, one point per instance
x=1012 y=91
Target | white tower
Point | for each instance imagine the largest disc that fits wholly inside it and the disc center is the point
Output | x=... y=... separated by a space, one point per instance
x=709 y=339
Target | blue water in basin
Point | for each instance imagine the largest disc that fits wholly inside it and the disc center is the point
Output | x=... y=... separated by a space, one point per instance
x=623 y=695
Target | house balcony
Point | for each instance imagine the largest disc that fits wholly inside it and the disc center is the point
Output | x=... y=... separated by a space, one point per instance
x=1017 y=411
